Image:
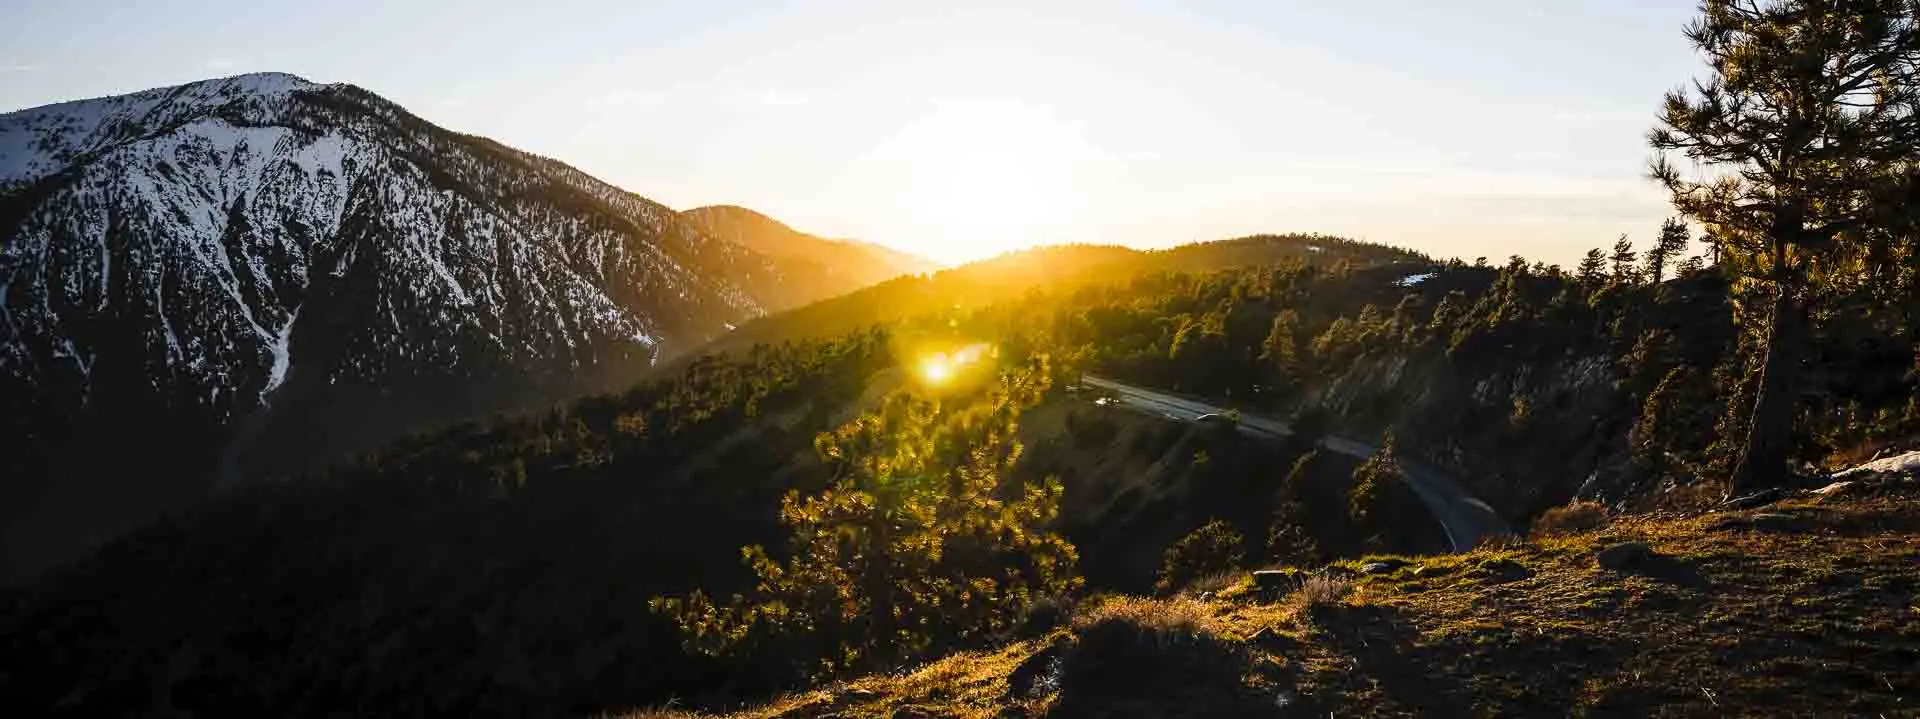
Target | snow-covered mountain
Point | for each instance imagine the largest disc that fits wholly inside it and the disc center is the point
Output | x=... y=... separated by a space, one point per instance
x=246 y=275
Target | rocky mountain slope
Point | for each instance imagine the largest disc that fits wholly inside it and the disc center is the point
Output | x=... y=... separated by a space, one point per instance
x=244 y=275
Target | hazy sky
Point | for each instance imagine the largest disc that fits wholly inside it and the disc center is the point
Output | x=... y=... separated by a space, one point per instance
x=1464 y=127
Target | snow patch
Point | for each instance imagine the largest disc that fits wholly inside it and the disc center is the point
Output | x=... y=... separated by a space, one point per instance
x=1411 y=280
x=278 y=346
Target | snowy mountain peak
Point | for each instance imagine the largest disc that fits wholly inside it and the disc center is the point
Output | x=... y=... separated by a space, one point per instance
x=278 y=272
x=46 y=140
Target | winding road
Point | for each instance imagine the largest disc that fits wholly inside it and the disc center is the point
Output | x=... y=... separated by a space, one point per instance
x=1465 y=520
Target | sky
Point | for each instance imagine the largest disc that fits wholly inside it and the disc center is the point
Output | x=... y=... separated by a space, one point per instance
x=1462 y=128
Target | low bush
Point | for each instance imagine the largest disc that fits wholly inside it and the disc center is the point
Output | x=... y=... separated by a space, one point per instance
x=1137 y=649
x=1210 y=550
x=1577 y=516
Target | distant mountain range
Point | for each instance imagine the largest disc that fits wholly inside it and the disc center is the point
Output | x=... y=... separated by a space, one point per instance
x=246 y=276
x=822 y=267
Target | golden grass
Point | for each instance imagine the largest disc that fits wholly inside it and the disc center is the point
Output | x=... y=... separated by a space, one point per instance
x=1814 y=614
x=1178 y=615
x=1576 y=516
x=1322 y=590
x=968 y=685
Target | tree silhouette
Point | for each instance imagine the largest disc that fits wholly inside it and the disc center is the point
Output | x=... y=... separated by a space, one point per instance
x=1592 y=271
x=1625 y=260
x=1806 y=136
x=1671 y=243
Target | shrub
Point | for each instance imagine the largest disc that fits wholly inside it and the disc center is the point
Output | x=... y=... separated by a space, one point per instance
x=1322 y=590
x=1045 y=614
x=1381 y=506
x=1576 y=516
x=1148 y=649
x=1209 y=550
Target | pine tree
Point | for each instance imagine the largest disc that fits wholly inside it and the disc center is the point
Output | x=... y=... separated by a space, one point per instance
x=1693 y=265
x=1806 y=134
x=1377 y=504
x=1669 y=245
x=1288 y=541
x=918 y=543
x=1282 y=347
x=1593 y=269
x=1625 y=261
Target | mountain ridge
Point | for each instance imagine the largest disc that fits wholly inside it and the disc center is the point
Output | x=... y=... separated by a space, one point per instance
x=843 y=260
x=253 y=273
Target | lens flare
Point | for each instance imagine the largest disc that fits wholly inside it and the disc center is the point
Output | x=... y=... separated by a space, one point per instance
x=936 y=369
x=940 y=368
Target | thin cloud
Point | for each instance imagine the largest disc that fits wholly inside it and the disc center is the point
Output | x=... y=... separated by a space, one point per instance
x=775 y=98
x=625 y=97
x=19 y=67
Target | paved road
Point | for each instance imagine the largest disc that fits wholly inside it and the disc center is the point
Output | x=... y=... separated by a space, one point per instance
x=1465 y=520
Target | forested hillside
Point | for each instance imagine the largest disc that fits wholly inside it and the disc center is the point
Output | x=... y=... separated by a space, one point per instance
x=583 y=543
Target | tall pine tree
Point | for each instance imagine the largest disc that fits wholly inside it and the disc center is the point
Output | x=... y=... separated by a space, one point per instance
x=1804 y=132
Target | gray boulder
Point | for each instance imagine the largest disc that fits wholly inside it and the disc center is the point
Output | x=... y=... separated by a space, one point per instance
x=1624 y=555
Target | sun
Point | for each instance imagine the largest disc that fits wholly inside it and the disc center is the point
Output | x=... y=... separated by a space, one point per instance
x=936 y=368
x=940 y=368
x=983 y=176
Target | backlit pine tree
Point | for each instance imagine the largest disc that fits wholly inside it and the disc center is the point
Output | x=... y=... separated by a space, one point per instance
x=1805 y=136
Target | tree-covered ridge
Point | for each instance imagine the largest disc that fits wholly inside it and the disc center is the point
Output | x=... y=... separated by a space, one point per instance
x=593 y=552
x=1045 y=270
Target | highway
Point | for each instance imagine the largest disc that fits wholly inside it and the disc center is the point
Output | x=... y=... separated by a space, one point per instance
x=1465 y=519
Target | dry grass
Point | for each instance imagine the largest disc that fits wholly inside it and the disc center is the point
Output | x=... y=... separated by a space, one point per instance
x=1797 y=609
x=1322 y=590
x=969 y=685
x=661 y=713
x=1216 y=584
x=1577 y=516
x=1178 y=615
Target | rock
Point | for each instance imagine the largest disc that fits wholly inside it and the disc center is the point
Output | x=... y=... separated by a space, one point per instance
x=1502 y=570
x=1836 y=487
x=1623 y=555
x=1338 y=572
x=1272 y=641
x=1269 y=580
x=1037 y=676
x=1799 y=521
x=1384 y=566
x=1908 y=463
x=1757 y=499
